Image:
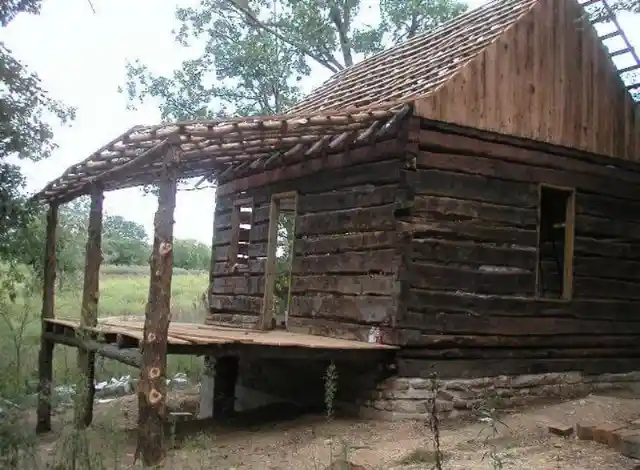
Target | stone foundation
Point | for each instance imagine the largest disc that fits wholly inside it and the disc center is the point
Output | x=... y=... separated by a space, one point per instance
x=364 y=392
x=410 y=398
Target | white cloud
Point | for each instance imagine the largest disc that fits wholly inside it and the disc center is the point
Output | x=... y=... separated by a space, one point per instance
x=80 y=57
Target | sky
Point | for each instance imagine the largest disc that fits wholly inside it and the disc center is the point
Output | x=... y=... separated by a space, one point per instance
x=80 y=57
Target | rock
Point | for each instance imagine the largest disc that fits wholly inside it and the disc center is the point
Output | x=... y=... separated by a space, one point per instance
x=562 y=430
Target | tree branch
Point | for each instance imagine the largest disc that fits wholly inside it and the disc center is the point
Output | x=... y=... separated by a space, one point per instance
x=236 y=4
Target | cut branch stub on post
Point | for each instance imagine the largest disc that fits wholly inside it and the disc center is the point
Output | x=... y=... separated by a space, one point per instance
x=152 y=385
x=45 y=362
x=89 y=314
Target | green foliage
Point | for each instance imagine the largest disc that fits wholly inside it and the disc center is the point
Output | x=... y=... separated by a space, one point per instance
x=124 y=242
x=256 y=53
x=191 y=254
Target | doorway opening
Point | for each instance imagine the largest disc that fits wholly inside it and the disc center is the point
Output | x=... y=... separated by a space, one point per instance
x=280 y=252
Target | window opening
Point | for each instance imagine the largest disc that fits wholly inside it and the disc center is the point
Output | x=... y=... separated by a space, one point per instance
x=241 y=222
x=555 y=242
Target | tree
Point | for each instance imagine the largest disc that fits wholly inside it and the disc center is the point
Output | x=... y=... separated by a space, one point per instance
x=26 y=111
x=191 y=254
x=124 y=241
x=255 y=53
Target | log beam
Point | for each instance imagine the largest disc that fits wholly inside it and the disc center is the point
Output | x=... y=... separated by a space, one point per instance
x=89 y=313
x=152 y=385
x=45 y=362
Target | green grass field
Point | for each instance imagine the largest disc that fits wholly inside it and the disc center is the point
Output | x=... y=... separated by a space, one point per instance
x=123 y=291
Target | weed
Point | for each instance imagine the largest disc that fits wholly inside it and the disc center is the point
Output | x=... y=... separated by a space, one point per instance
x=489 y=416
x=434 y=421
x=330 y=388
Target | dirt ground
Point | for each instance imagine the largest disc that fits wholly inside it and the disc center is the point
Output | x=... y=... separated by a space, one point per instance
x=274 y=441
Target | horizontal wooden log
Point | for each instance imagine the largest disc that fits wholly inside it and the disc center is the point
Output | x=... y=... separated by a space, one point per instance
x=482 y=306
x=474 y=187
x=351 y=220
x=245 y=285
x=470 y=230
x=350 y=164
x=596 y=227
x=375 y=261
x=235 y=303
x=590 y=287
x=364 y=309
x=520 y=353
x=339 y=243
x=129 y=357
x=532 y=172
x=223 y=220
x=446 y=208
x=348 y=198
x=431 y=249
x=599 y=267
x=610 y=248
x=336 y=329
x=415 y=339
x=436 y=276
x=474 y=368
x=349 y=285
x=254 y=266
x=607 y=207
x=454 y=323
x=514 y=150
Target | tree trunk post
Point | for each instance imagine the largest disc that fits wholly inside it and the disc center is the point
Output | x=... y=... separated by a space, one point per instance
x=45 y=360
x=152 y=384
x=89 y=313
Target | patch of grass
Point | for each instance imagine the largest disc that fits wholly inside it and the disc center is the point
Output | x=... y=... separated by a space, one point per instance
x=123 y=292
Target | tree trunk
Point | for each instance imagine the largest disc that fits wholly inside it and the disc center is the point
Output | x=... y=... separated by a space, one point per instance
x=152 y=385
x=89 y=314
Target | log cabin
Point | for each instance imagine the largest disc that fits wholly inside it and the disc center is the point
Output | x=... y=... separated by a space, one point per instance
x=468 y=199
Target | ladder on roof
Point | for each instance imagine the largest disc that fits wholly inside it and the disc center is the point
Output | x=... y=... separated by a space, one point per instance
x=603 y=15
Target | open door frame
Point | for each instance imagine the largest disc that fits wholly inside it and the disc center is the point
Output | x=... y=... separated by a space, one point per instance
x=267 y=320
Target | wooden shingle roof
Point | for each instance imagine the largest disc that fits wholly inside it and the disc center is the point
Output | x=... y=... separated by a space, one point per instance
x=417 y=67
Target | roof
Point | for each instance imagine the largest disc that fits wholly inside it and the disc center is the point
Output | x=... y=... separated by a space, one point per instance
x=357 y=104
x=417 y=67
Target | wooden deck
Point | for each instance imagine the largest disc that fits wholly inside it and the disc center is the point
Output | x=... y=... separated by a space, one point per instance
x=120 y=339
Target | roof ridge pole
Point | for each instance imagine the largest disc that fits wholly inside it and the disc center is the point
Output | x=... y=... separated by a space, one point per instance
x=89 y=312
x=45 y=359
x=152 y=385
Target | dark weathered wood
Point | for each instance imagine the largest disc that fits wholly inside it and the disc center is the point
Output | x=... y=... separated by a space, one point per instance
x=519 y=353
x=471 y=253
x=456 y=323
x=236 y=304
x=589 y=287
x=349 y=284
x=607 y=206
x=378 y=261
x=414 y=339
x=89 y=313
x=475 y=187
x=360 y=196
x=445 y=208
x=152 y=385
x=348 y=161
x=365 y=309
x=244 y=285
x=587 y=225
x=338 y=243
x=610 y=248
x=45 y=359
x=470 y=230
x=252 y=267
x=484 y=306
x=344 y=221
x=435 y=276
x=526 y=173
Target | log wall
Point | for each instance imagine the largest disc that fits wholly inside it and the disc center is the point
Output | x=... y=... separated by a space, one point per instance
x=345 y=259
x=549 y=78
x=469 y=303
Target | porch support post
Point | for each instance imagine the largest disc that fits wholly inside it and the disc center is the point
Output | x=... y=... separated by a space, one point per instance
x=89 y=313
x=45 y=360
x=152 y=384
